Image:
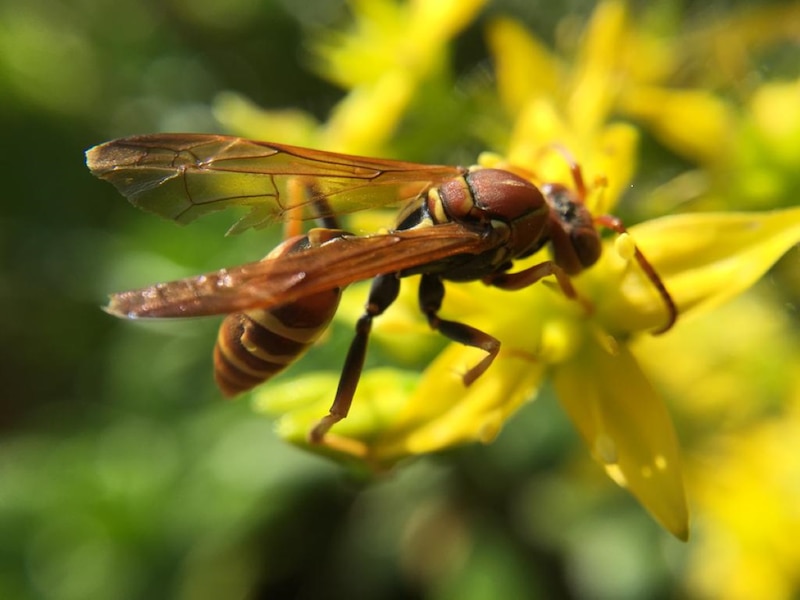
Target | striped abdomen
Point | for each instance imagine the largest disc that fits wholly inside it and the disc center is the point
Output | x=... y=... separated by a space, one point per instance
x=255 y=345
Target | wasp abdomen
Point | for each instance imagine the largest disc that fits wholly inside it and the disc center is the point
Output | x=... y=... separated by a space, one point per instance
x=254 y=346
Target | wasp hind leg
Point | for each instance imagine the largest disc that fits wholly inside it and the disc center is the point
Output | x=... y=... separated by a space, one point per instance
x=383 y=292
x=431 y=293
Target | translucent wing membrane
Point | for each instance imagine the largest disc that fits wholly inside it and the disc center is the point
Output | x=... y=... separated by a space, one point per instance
x=184 y=176
x=275 y=282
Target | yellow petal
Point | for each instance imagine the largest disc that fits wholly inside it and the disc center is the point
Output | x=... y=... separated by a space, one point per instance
x=240 y=116
x=435 y=23
x=385 y=36
x=694 y=123
x=703 y=259
x=366 y=49
x=746 y=553
x=539 y=123
x=721 y=375
x=627 y=427
x=775 y=114
x=300 y=402
x=596 y=77
x=442 y=412
x=366 y=118
x=523 y=66
x=615 y=161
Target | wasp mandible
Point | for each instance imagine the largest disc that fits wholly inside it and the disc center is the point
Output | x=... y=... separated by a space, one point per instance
x=455 y=224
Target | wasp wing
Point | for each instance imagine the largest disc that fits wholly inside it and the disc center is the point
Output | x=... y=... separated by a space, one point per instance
x=280 y=280
x=184 y=176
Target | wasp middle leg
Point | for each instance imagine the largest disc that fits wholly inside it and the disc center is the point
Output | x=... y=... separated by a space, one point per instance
x=383 y=293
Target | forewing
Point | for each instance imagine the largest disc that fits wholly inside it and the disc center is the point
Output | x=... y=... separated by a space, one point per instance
x=280 y=280
x=184 y=176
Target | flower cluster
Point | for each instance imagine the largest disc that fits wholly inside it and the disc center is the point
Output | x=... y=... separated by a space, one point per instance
x=585 y=97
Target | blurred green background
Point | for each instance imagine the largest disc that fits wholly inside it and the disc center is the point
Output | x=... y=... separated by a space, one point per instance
x=122 y=474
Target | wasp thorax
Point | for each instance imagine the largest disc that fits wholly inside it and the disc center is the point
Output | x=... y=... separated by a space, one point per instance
x=506 y=197
x=486 y=196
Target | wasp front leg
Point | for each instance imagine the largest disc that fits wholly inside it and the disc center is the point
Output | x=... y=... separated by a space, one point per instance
x=534 y=274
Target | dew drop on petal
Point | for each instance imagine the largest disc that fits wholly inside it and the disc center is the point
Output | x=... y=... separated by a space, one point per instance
x=661 y=462
x=605 y=449
x=615 y=473
x=489 y=429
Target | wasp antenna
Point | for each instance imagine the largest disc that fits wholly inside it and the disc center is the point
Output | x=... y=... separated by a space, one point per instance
x=574 y=167
x=613 y=223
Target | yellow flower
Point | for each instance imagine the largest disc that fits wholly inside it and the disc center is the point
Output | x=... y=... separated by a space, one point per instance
x=732 y=380
x=569 y=107
x=391 y=50
x=694 y=108
x=588 y=355
x=741 y=552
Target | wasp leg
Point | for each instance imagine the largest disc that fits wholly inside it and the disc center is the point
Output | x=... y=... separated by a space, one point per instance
x=613 y=223
x=431 y=293
x=531 y=275
x=383 y=292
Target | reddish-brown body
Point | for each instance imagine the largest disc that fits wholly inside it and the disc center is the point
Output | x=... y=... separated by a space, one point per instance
x=456 y=224
x=256 y=345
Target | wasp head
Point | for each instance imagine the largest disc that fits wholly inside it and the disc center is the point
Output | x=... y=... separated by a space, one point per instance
x=573 y=236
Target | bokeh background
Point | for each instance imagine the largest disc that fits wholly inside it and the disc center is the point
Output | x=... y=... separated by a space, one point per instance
x=122 y=473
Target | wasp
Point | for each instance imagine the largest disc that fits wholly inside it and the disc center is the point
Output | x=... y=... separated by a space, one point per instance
x=454 y=224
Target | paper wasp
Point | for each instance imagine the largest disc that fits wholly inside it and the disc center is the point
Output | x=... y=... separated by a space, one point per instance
x=455 y=224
